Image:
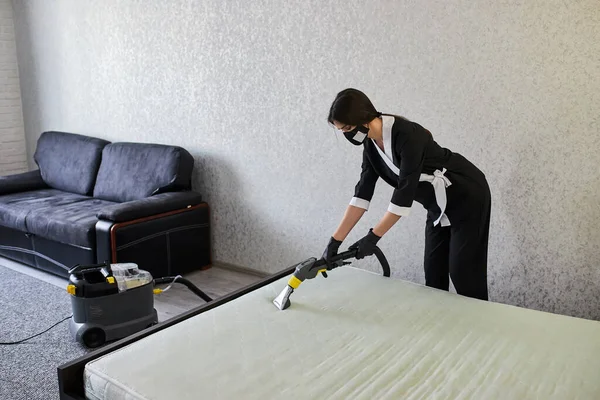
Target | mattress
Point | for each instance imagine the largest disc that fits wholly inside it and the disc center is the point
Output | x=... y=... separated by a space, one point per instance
x=357 y=335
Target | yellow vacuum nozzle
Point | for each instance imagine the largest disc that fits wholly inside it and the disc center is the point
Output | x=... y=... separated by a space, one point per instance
x=283 y=300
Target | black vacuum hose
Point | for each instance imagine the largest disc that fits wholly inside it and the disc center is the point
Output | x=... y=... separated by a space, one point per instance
x=183 y=281
x=346 y=255
x=383 y=261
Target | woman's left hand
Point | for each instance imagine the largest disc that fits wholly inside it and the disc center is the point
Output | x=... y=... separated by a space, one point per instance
x=366 y=246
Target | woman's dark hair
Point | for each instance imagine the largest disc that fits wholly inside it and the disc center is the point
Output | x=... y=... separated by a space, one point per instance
x=352 y=107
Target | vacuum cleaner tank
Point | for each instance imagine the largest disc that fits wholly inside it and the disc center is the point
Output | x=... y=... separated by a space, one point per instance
x=109 y=302
x=129 y=276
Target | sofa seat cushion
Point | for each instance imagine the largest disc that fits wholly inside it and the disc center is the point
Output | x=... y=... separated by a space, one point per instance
x=52 y=214
x=12 y=215
x=15 y=207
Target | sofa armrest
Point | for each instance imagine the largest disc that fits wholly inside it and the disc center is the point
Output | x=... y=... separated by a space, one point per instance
x=22 y=182
x=158 y=204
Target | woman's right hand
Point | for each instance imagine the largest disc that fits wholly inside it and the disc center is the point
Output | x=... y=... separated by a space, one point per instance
x=331 y=250
x=351 y=217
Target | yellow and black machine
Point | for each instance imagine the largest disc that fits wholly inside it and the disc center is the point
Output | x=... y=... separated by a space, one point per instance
x=112 y=301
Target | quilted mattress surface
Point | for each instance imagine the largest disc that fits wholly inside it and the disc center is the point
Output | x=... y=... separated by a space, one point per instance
x=357 y=335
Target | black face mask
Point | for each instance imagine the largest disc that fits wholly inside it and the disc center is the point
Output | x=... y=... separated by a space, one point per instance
x=358 y=135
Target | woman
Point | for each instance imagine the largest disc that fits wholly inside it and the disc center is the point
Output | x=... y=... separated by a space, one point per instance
x=454 y=192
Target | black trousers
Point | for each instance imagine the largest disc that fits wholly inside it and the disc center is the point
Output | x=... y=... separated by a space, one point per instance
x=459 y=251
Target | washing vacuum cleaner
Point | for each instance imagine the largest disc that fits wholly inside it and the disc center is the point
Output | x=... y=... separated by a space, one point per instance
x=312 y=267
x=112 y=301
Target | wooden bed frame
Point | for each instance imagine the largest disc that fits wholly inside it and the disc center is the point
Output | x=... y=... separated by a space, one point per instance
x=70 y=375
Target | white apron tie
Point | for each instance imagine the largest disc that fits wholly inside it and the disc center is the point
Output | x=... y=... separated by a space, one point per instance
x=440 y=183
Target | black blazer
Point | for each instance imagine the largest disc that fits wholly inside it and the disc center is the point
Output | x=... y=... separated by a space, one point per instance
x=413 y=152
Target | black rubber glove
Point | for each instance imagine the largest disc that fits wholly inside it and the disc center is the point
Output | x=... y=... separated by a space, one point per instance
x=366 y=246
x=331 y=250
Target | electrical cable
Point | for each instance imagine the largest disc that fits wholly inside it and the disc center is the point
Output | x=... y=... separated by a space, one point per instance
x=37 y=334
x=172 y=282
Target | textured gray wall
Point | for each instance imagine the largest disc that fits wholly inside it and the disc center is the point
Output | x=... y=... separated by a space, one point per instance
x=246 y=85
x=13 y=158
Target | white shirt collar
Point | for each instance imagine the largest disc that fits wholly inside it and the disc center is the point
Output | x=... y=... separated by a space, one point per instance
x=386 y=128
x=387 y=123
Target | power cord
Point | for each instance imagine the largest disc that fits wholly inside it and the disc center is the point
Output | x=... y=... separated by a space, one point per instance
x=183 y=281
x=37 y=334
x=159 y=291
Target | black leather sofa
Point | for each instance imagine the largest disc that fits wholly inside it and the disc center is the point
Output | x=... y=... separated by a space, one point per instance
x=93 y=201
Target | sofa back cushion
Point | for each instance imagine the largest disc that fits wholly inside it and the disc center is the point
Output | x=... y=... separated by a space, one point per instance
x=133 y=171
x=69 y=161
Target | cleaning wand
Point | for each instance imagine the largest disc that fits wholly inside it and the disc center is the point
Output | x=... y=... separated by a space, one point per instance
x=311 y=267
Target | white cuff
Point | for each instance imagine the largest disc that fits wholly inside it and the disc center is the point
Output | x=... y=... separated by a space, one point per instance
x=401 y=211
x=360 y=203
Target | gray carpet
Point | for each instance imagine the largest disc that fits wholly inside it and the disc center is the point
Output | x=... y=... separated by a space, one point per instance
x=29 y=306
